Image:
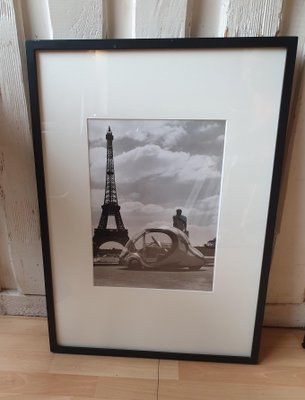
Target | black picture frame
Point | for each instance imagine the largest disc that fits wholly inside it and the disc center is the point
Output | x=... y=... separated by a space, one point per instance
x=59 y=320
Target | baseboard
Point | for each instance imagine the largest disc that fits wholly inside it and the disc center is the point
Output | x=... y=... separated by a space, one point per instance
x=14 y=303
x=285 y=315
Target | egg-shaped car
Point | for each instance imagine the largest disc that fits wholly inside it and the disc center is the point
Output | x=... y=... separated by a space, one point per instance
x=163 y=247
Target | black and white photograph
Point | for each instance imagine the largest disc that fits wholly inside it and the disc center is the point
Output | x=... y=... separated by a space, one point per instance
x=155 y=187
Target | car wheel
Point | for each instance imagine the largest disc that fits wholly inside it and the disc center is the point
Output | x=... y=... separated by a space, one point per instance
x=195 y=268
x=135 y=264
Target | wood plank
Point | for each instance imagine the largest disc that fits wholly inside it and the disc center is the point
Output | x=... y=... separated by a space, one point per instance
x=126 y=389
x=206 y=18
x=7 y=278
x=162 y=18
x=18 y=177
x=15 y=396
x=104 y=366
x=250 y=18
x=24 y=345
x=252 y=374
x=23 y=361
x=287 y=277
x=36 y=19
x=198 y=390
x=47 y=384
x=169 y=369
x=23 y=326
x=120 y=19
x=78 y=19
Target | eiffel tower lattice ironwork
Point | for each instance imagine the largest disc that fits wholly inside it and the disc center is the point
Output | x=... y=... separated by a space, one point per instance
x=102 y=234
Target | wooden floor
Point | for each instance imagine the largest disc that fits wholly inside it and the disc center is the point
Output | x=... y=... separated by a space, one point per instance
x=28 y=371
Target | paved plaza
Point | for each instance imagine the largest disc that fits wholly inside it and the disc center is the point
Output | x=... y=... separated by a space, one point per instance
x=121 y=276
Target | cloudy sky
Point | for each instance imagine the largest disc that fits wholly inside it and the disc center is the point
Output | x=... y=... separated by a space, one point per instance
x=160 y=165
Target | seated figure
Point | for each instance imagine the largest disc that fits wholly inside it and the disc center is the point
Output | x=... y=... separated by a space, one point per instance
x=180 y=221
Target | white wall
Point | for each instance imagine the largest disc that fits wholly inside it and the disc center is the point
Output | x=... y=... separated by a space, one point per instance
x=21 y=272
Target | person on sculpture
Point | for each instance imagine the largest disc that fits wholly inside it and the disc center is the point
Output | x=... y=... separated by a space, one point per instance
x=180 y=221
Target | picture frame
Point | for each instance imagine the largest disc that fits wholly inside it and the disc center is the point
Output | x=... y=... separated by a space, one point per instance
x=168 y=84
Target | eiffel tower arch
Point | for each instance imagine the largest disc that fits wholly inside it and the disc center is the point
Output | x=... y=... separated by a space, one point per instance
x=102 y=233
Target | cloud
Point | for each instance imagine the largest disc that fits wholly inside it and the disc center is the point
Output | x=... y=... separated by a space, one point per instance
x=138 y=216
x=199 y=167
x=160 y=166
x=149 y=160
x=209 y=203
x=162 y=178
x=136 y=208
x=165 y=133
x=191 y=136
x=154 y=161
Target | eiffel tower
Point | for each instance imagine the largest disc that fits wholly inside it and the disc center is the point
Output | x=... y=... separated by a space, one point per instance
x=102 y=234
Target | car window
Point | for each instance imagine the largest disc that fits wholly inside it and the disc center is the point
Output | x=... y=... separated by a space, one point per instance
x=154 y=240
x=158 y=240
x=139 y=242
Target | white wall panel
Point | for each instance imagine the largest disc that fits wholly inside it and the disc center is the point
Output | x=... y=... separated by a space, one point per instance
x=287 y=278
x=82 y=19
x=120 y=18
x=161 y=18
x=20 y=260
x=250 y=18
x=36 y=19
x=206 y=15
x=19 y=216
